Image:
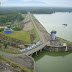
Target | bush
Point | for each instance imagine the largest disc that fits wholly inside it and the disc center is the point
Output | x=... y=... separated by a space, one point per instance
x=5 y=44
x=0 y=45
x=17 y=27
x=1 y=29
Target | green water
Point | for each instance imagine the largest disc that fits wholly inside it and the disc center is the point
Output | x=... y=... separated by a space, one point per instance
x=53 y=62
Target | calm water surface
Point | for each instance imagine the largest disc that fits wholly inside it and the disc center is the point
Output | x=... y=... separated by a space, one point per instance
x=55 y=21
x=53 y=62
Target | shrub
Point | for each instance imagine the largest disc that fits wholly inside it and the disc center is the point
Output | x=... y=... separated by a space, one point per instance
x=0 y=45
x=1 y=29
x=5 y=44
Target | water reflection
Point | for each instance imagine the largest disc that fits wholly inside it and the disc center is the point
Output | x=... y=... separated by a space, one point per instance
x=53 y=54
x=53 y=61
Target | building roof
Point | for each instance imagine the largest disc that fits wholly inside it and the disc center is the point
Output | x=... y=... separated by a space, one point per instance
x=3 y=26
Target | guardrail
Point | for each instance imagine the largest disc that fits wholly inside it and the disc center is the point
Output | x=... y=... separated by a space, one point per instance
x=30 y=47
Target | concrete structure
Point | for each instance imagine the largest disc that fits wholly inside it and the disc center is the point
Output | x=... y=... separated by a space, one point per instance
x=7 y=30
x=3 y=27
x=52 y=35
x=65 y=46
x=45 y=46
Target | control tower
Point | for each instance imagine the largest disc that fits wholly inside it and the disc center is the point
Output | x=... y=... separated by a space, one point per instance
x=52 y=35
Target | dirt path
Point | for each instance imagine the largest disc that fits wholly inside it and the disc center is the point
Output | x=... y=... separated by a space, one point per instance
x=5 y=67
x=22 y=60
x=40 y=33
x=27 y=23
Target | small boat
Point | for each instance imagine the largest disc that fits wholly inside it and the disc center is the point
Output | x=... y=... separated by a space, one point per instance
x=64 y=24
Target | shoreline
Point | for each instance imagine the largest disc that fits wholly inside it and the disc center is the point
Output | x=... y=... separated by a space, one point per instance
x=45 y=20
x=47 y=35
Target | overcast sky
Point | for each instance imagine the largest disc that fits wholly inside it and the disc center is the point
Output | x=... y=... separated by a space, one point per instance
x=42 y=3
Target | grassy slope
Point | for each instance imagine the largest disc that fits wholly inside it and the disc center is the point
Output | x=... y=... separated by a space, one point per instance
x=10 y=51
x=64 y=41
x=23 y=15
x=23 y=35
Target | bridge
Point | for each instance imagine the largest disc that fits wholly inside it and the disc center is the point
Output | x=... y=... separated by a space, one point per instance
x=35 y=50
x=41 y=47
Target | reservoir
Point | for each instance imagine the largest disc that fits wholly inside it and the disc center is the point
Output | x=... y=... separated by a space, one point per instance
x=55 y=22
x=53 y=61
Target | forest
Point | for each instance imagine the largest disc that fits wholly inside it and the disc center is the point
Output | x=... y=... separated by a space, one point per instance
x=14 y=14
x=9 y=16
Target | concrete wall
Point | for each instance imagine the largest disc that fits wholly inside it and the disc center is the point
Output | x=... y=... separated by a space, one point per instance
x=55 y=49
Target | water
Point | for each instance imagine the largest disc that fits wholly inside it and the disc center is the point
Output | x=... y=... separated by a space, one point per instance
x=53 y=62
x=54 y=22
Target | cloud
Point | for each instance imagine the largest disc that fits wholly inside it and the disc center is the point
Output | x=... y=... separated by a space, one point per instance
x=65 y=3
x=34 y=1
x=2 y=1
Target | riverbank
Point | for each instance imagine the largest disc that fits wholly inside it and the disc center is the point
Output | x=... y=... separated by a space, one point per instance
x=55 y=21
x=53 y=61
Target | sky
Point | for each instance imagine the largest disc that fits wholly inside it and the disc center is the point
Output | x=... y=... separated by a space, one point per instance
x=37 y=3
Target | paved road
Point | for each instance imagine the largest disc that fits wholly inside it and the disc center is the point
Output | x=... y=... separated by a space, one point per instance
x=40 y=34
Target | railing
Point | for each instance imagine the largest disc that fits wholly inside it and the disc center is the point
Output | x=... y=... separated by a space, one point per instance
x=30 y=47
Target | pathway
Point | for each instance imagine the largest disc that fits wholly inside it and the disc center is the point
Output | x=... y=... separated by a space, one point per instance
x=20 y=59
x=40 y=34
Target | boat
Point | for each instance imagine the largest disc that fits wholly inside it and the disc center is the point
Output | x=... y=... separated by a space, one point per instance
x=64 y=24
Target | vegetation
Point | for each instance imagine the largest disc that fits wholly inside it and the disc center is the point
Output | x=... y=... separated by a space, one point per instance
x=1 y=29
x=7 y=49
x=64 y=41
x=34 y=10
x=11 y=17
x=15 y=65
x=23 y=15
x=44 y=52
x=10 y=51
x=5 y=44
x=23 y=35
x=0 y=46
